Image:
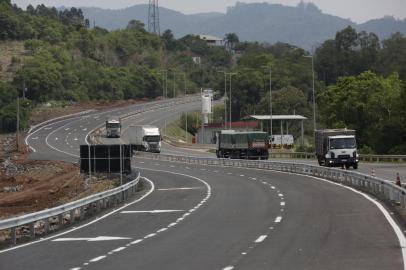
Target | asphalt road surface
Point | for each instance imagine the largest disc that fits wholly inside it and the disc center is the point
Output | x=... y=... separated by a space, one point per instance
x=206 y=217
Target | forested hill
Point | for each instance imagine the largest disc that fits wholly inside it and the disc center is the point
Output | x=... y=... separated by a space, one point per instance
x=54 y=55
x=61 y=58
x=304 y=26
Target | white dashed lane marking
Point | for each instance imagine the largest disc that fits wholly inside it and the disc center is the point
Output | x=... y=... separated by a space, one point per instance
x=185 y=188
x=278 y=219
x=151 y=212
x=261 y=238
x=97 y=259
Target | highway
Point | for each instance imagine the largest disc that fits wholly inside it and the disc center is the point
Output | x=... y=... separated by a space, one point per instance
x=205 y=217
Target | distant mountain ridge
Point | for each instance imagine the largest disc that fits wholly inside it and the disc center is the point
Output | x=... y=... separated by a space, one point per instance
x=304 y=25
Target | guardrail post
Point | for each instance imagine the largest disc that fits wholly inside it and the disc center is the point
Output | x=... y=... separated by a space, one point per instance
x=32 y=230
x=46 y=225
x=82 y=212
x=72 y=216
x=60 y=220
x=13 y=235
x=98 y=206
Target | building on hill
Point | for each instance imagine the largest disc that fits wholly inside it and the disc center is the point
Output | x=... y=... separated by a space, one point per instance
x=212 y=40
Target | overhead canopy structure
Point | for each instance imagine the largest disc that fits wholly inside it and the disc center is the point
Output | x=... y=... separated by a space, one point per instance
x=281 y=118
x=278 y=117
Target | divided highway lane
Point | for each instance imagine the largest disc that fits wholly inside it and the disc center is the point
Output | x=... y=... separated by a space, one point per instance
x=128 y=227
x=268 y=220
x=61 y=140
x=221 y=218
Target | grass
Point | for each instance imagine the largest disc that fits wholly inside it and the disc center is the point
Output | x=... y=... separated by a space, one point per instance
x=174 y=130
x=12 y=57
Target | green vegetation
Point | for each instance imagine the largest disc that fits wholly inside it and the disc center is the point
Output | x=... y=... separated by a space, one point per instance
x=365 y=89
x=359 y=79
x=67 y=61
x=175 y=130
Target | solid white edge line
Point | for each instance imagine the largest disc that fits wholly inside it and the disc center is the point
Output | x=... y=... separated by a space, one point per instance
x=391 y=221
x=87 y=224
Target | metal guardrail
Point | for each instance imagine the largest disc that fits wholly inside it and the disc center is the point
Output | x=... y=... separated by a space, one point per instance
x=380 y=188
x=362 y=157
x=67 y=213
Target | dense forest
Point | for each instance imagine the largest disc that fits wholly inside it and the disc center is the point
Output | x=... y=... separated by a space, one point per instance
x=359 y=78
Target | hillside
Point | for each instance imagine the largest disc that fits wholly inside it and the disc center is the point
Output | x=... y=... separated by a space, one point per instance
x=304 y=25
x=12 y=54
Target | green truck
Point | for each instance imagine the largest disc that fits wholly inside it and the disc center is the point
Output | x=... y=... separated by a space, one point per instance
x=242 y=145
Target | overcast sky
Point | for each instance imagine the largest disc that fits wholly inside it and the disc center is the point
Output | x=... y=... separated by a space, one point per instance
x=356 y=10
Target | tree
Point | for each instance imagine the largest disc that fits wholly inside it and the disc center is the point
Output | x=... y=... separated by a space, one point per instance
x=365 y=103
x=136 y=24
x=231 y=40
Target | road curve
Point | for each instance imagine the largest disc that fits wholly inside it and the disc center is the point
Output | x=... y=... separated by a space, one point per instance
x=204 y=217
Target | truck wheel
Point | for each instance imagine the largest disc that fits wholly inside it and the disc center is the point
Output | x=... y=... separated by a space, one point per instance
x=355 y=166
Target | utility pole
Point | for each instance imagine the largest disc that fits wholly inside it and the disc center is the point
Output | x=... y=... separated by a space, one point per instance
x=18 y=125
x=314 y=99
x=174 y=81
x=153 y=17
x=164 y=72
x=225 y=97
x=270 y=100
x=184 y=76
x=230 y=119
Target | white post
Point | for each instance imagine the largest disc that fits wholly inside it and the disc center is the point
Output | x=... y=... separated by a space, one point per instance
x=90 y=164
x=121 y=166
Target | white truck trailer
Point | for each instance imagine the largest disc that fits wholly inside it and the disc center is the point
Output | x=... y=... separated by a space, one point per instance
x=336 y=147
x=113 y=128
x=144 y=138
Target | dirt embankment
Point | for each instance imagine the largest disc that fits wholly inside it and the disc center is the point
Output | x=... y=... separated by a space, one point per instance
x=56 y=109
x=29 y=186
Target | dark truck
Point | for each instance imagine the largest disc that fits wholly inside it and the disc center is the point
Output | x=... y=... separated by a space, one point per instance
x=242 y=145
x=336 y=147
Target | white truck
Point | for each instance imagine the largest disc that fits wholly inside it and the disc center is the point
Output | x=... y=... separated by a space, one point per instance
x=336 y=147
x=144 y=138
x=113 y=128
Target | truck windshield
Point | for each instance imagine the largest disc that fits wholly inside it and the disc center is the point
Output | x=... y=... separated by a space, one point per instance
x=152 y=138
x=343 y=143
x=113 y=125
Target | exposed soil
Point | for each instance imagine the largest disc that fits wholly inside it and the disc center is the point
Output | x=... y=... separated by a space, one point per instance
x=52 y=110
x=29 y=186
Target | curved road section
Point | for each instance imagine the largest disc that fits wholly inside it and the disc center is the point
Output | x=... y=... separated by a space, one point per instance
x=206 y=217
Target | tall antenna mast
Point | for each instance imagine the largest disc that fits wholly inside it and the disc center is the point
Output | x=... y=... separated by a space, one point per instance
x=153 y=17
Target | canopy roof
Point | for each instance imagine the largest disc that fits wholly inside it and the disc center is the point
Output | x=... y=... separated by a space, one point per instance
x=278 y=117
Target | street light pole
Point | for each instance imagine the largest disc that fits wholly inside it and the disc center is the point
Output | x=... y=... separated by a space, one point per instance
x=174 y=81
x=314 y=99
x=164 y=72
x=225 y=97
x=230 y=119
x=184 y=76
x=270 y=99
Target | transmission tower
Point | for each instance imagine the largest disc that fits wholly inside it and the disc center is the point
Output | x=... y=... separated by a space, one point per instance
x=153 y=17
